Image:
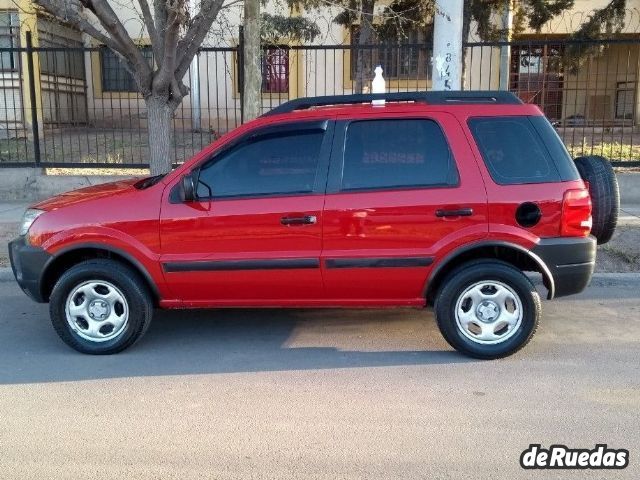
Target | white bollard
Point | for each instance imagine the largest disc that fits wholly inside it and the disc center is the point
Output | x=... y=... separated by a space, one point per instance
x=378 y=85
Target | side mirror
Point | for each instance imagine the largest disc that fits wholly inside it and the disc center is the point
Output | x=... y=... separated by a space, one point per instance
x=188 y=188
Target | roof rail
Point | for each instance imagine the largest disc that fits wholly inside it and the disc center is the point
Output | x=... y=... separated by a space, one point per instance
x=431 y=98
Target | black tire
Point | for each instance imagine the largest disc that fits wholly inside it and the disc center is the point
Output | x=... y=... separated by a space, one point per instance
x=128 y=283
x=470 y=274
x=605 y=195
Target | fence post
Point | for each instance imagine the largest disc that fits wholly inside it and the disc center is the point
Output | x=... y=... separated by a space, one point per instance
x=32 y=97
x=240 y=70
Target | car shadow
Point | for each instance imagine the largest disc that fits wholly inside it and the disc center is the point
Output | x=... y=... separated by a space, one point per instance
x=193 y=342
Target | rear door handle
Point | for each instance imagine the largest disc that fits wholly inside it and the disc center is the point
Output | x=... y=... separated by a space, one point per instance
x=304 y=220
x=460 y=212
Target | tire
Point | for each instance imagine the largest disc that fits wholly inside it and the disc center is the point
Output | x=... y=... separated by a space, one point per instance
x=100 y=307
x=605 y=196
x=496 y=292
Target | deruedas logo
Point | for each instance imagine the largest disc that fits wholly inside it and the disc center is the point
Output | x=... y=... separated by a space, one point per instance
x=561 y=456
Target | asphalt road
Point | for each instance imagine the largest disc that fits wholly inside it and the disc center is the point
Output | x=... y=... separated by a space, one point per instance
x=317 y=394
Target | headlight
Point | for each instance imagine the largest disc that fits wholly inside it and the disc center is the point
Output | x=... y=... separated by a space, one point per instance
x=28 y=218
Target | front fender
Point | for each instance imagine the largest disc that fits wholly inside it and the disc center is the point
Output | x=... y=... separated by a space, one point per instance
x=113 y=241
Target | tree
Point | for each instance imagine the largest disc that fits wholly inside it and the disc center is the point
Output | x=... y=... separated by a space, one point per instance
x=392 y=25
x=252 y=78
x=175 y=36
x=534 y=14
x=400 y=16
x=266 y=29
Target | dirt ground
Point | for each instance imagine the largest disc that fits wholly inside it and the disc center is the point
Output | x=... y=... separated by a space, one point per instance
x=622 y=253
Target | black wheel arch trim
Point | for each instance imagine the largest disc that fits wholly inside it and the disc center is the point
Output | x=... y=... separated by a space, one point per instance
x=106 y=247
x=440 y=266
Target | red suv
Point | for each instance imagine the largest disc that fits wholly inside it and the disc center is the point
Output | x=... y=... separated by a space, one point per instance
x=434 y=198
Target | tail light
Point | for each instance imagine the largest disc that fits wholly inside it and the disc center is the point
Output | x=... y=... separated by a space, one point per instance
x=576 y=214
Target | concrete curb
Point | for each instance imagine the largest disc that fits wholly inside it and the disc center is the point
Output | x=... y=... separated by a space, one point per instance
x=6 y=275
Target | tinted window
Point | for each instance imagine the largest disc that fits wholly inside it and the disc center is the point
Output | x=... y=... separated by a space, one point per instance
x=564 y=163
x=513 y=151
x=396 y=153
x=268 y=164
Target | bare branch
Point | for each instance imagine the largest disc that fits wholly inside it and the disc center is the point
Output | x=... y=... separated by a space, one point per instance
x=151 y=27
x=193 y=38
x=160 y=16
x=166 y=74
x=70 y=14
x=112 y=24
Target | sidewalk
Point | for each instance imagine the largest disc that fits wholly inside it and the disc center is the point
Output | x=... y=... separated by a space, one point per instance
x=10 y=215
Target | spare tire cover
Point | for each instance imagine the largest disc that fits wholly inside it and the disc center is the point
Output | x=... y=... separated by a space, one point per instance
x=605 y=196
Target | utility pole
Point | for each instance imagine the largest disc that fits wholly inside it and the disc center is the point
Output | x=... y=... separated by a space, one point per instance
x=447 y=45
x=252 y=79
x=505 y=50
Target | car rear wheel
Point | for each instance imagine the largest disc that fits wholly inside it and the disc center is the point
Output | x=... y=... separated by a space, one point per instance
x=487 y=309
x=100 y=307
x=605 y=196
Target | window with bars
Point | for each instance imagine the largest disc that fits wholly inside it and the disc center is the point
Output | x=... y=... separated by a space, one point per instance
x=63 y=62
x=625 y=100
x=9 y=38
x=406 y=59
x=275 y=70
x=115 y=77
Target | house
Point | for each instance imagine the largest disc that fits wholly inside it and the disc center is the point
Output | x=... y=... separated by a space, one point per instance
x=85 y=85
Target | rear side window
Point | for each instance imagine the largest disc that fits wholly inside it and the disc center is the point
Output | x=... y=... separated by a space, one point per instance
x=513 y=151
x=396 y=154
x=565 y=164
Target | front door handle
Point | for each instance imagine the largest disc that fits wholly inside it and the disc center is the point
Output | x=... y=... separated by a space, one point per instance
x=304 y=220
x=460 y=212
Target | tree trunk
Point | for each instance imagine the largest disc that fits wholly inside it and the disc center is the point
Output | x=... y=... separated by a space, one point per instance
x=466 y=28
x=364 y=67
x=160 y=126
x=505 y=51
x=252 y=94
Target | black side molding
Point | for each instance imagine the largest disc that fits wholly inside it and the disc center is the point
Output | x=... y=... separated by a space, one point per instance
x=378 y=262
x=230 y=265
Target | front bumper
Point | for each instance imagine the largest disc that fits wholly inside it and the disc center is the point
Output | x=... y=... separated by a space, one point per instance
x=28 y=264
x=570 y=261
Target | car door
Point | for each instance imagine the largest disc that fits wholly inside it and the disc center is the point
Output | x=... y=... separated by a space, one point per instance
x=400 y=192
x=253 y=237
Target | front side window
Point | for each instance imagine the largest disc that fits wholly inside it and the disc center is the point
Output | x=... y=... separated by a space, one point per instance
x=396 y=154
x=513 y=151
x=272 y=164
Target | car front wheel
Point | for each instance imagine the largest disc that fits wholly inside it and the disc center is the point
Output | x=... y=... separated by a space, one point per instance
x=100 y=307
x=487 y=309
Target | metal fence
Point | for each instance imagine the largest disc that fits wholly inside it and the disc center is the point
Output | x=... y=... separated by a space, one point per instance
x=77 y=107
